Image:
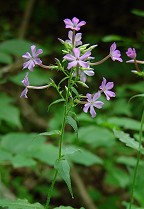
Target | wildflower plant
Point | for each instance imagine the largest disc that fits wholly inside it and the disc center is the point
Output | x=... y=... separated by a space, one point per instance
x=79 y=65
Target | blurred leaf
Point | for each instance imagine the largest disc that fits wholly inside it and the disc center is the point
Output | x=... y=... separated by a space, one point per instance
x=96 y=136
x=129 y=161
x=19 y=143
x=64 y=207
x=56 y=102
x=36 y=78
x=46 y=153
x=19 y=47
x=22 y=161
x=138 y=12
x=126 y=123
x=19 y=204
x=69 y=150
x=113 y=37
x=54 y=132
x=8 y=112
x=5 y=58
x=136 y=87
x=63 y=169
x=85 y=157
x=138 y=95
x=5 y=156
x=127 y=140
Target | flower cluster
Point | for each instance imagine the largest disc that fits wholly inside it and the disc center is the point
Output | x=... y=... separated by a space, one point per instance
x=79 y=64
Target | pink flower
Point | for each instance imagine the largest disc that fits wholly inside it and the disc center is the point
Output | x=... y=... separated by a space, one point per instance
x=76 y=59
x=114 y=53
x=92 y=102
x=77 y=38
x=131 y=53
x=32 y=60
x=105 y=88
x=74 y=24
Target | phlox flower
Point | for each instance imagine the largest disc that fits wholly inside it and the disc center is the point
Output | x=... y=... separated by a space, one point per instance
x=74 y=24
x=92 y=103
x=25 y=82
x=76 y=59
x=83 y=74
x=114 y=53
x=32 y=60
x=106 y=87
x=77 y=38
x=131 y=53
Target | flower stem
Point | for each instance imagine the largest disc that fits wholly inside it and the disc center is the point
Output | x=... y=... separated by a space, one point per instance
x=101 y=61
x=60 y=141
x=138 y=160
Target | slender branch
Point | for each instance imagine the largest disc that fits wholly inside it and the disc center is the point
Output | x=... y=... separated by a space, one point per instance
x=26 y=18
x=101 y=61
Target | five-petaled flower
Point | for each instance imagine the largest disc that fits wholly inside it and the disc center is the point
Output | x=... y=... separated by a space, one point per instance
x=74 y=24
x=32 y=60
x=92 y=102
x=25 y=82
x=105 y=88
x=131 y=53
x=76 y=59
x=77 y=38
x=114 y=53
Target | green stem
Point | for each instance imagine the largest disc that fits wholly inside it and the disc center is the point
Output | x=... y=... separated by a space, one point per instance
x=138 y=160
x=60 y=142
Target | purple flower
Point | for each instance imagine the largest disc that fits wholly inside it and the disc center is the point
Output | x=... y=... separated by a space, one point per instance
x=92 y=102
x=25 y=82
x=105 y=87
x=83 y=73
x=32 y=60
x=74 y=24
x=131 y=53
x=114 y=53
x=76 y=59
x=77 y=38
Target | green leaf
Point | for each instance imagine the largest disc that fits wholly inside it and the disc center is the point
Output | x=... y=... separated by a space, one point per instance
x=72 y=123
x=138 y=95
x=84 y=157
x=64 y=207
x=56 y=102
x=126 y=123
x=5 y=156
x=127 y=140
x=138 y=12
x=19 y=204
x=63 y=169
x=8 y=112
x=96 y=136
x=129 y=161
x=19 y=143
x=112 y=37
x=49 y=133
x=37 y=78
x=22 y=161
x=5 y=58
x=18 y=47
x=69 y=150
x=75 y=91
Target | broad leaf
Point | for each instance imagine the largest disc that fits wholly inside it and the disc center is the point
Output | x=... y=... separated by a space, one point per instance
x=19 y=204
x=63 y=169
x=127 y=140
x=5 y=58
x=56 y=102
